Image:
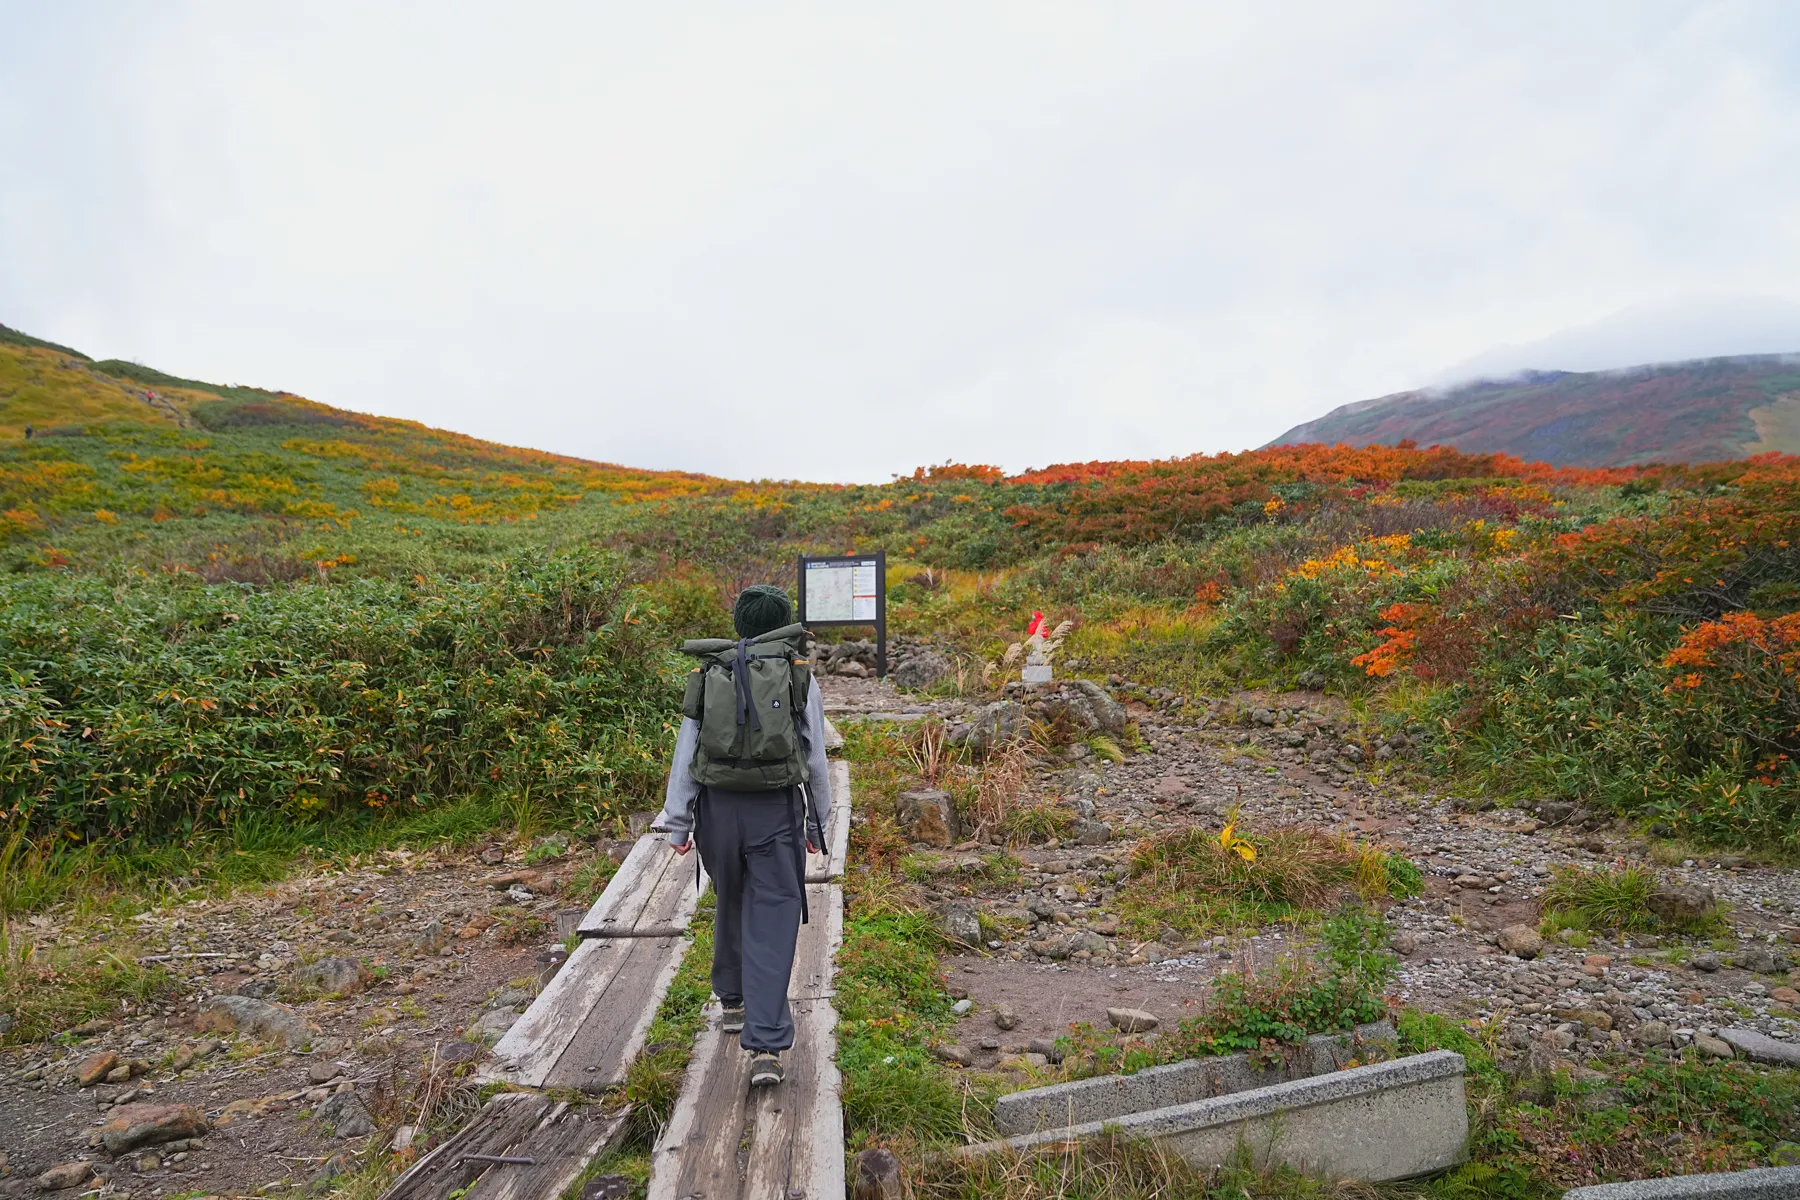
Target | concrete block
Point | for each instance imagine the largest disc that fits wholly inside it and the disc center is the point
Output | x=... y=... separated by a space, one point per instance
x=1391 y=1120
x=1110 y=1096
x=1766 y=1183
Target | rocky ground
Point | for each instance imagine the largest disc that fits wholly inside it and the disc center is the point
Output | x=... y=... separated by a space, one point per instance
x=310 y=1010
x=305 y=1012
x=1047 y=947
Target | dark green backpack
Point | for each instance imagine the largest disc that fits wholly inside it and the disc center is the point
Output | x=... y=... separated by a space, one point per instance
x=749 y=697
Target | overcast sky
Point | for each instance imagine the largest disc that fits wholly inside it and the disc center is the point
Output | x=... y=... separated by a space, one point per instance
x=837 y=241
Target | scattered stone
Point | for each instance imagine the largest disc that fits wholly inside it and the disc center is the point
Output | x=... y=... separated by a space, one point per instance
x=1785 y=995
x=90 y=1028
x=333 y=976
x=1653 y=1033
x=1521 y=941
x=477 y=926
x=1405 y=944
x=183 y=1059
x=1682 y=903
x=95 y=1067
x=927 y=816
x=259 y=1019
x=68 y=1175
x=1708 y=962
x=119 y=1074
x=346 y=1116
x=1131 y=1020
x=1712 y=1047
x=323 y=1072
x=492 y=1025
x=954 y=1052
x=921 y=670
x=1005 y=1017
x=135 y=1125
x=148 y=1161
x=996 y=724
x=431 y=938
x=1048 y=1048
x=961 y=1007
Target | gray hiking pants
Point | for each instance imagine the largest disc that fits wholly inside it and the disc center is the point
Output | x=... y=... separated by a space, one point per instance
x=752 y=844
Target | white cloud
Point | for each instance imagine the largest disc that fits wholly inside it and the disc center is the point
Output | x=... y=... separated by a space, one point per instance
x=1004 y=233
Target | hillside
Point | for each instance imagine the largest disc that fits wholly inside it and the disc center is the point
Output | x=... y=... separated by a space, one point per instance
x=1702 y=411
x=93 y=454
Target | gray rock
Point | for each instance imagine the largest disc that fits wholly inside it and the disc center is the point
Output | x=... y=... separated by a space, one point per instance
x=952 y=1052
x=258 y=1019
x=1048 y=1048
x=1652 y=1033
x=1405 y=944
x=1521 y=941
x=336 y=975
x=1091 y=833
x=323 y=1072
x=1092 y=708
x=921 y=670
x=6 y=1024
x=431 y=938
x=1760 y=1047
x=491 y=1026
x=1712 y=1047
x=1708 y=962
x=1682 y=903
x=960 y=924
x=135 y=1125
x=1005 y=1017
x=996 y=724
x=1131 y=1020
x=345 y=1114
x=962 y=1007
x=68 y=1175
x=1761 y=1183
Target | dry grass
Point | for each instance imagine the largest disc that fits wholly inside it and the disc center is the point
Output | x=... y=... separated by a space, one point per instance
x=1194 y=882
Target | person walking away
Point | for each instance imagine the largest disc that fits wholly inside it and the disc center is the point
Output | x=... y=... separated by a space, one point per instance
x=750 y=786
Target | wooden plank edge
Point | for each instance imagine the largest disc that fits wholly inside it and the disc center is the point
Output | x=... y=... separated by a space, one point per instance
x=630 y=875
x=639 y=1032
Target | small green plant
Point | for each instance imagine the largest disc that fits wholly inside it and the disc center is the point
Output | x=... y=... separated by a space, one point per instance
x=1615 y=899
x=1301 y=994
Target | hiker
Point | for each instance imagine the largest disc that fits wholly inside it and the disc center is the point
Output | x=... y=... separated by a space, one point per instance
x=749 y=785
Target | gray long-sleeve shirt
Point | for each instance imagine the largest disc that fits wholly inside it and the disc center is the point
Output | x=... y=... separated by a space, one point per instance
x=677 y=815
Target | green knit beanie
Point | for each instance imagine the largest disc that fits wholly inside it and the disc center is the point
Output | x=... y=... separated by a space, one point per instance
x=760 y=608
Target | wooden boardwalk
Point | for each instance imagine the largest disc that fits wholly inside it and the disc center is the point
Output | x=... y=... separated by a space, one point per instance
x=727 y=1141
x=585 y=1028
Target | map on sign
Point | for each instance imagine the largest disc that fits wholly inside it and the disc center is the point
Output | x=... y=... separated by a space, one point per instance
x=840 y=591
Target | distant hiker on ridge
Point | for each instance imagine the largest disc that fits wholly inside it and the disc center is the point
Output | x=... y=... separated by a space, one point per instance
x=749 y=785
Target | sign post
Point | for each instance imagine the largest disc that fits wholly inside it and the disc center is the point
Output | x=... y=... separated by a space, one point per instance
x=847 y=589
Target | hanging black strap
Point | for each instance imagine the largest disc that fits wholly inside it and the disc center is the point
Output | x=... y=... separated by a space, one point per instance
x=797 y=823
x=746 y=707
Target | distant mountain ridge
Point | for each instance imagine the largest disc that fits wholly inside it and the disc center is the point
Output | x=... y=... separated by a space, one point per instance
x=1704 y=410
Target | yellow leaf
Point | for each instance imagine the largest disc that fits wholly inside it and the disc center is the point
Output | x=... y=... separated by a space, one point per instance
x=1246 y=851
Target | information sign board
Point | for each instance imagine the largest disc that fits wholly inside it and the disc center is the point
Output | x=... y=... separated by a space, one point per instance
x=846 y=589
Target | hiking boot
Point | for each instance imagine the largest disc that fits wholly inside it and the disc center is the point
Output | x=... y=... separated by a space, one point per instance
x=733 y=1019
x=765 y=1069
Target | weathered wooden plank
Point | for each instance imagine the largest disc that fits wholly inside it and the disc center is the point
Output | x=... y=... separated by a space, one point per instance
x=565 y=1141
x=654 y=890
x=796 y=1146
x=628 y=882
x=527 y=1051
x=595 y=1014
x=697 y=1154
x=600 y=1053
x=819 y=940
x=502 y=1123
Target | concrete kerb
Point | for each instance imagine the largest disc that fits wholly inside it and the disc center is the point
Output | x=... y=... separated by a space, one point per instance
x=1765 y=1183
x=1386 y=1121
x=1110 y=1096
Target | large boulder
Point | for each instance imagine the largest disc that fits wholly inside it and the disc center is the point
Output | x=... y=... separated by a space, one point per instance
x=345 y=1114
x=257 y=1019
x=960 y=924
x=135 y=1125
x=996 y=724
x=1522 y=941
x=1682 y=903
x=1092 y=708
x=920 y=670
